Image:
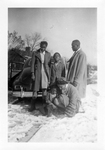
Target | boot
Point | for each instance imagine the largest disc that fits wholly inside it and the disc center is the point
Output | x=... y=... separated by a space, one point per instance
x=34 y=97
x=49 y=110
x=42 y=110
x=32 y=107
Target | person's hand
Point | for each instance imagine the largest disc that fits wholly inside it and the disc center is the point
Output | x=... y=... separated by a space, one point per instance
x=33 y=76
x=75 y=84
x=54 y=107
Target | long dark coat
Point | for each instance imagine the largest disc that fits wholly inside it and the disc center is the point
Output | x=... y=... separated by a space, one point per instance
x=57 y=71
x=77 y=72
x=36 y=66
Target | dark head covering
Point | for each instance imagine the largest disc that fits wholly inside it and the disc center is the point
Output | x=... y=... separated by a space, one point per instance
x=43 y=42
x=61 y=81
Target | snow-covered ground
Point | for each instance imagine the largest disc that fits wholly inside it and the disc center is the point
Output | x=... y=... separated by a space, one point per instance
x=81 y=128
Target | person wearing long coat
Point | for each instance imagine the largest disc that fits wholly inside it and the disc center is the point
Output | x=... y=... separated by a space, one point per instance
x=40 y=70
x=57 y=68
x=77 y=69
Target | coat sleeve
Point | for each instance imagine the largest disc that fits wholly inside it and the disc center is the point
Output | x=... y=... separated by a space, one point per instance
x=49 y=65
x=63 y=74
x=49 y=62
x=81 y=67
x=33 y=62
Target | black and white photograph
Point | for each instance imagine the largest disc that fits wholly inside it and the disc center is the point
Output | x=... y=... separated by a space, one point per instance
x=52 y=75
x=53 y=92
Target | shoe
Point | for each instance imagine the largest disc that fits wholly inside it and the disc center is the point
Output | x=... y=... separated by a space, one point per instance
x=31 y=109
x=42 y=110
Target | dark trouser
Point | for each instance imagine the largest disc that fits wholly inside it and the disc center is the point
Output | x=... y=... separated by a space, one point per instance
x=34 y=97
x=32 y=106
x=44 y=95
x=33 y=100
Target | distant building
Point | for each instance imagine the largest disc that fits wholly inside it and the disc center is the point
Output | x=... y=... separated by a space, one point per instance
x=28 y=51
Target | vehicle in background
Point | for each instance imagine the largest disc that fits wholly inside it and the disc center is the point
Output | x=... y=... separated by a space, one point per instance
x=19 y=79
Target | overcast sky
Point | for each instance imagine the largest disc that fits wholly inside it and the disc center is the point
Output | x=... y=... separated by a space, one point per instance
x=59 y=26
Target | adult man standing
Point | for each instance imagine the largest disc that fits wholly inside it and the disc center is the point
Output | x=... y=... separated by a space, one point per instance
x=77 y=69
x=40 y=69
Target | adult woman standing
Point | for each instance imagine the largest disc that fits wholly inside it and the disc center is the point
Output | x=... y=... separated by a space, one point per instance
x=40 y=70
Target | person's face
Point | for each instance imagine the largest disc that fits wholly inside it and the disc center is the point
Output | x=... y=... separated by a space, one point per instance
x=57 y=57
x=43 y=47
x=74 y=47
x=53 y=91
x=62 y=87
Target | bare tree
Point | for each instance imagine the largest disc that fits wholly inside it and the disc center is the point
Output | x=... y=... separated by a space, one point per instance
x=27 y=39
x=33 y=40
x=15 y=41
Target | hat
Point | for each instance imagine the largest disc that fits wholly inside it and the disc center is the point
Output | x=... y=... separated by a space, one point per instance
x=61 y=81
x=43 y=42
